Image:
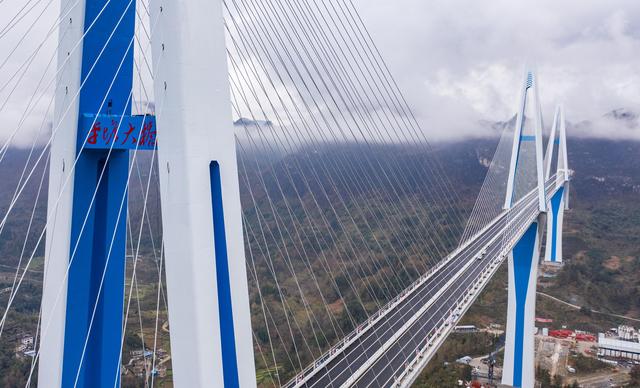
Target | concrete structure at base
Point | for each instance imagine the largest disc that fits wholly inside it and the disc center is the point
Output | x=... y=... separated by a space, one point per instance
x=616 y=348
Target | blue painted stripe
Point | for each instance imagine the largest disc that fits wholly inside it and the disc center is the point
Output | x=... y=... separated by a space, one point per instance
x=522 y=264
x=527 y=138
x=555 y=210
x=101 y=362
x=225 y=308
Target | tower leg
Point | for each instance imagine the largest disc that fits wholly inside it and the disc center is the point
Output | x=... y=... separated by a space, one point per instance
x=209 y=318
x=92 y=310
x=519 y=356
x=553 y=250
x=86 y=234
x=60 y=202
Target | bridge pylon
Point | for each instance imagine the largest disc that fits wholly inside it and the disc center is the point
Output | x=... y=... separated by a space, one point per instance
x=518 y=369
x=209 y=317
x=94 y=130
x=557 y=149
x=83 y=290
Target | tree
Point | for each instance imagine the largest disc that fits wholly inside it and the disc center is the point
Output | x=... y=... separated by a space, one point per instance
x=557 y=381
x=585 y=310
x=635 y=375
x=543 y=377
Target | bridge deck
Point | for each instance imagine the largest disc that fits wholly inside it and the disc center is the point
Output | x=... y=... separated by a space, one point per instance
x=374 y=357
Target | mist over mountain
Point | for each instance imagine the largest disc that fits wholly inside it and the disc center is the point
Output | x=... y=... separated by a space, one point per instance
x=604 y=169
x=621 y=123
x=617 y=124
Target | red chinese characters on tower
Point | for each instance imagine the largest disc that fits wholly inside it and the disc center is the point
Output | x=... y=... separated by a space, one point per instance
x=93 y=133
x=126 y=132
x=148 y=135
x=109 y=134
x=102 y=136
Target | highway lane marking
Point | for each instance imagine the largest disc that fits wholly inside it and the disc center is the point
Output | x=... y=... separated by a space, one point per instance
x=520 y=207
x=479 y=242
x=484 y=280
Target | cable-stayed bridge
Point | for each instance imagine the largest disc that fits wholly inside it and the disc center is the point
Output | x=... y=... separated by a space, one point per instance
x=391 y=348
x=394 y=347
x=317 y=240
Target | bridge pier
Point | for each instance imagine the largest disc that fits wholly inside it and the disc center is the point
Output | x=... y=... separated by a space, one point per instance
x=83 y=292
x=519 y=356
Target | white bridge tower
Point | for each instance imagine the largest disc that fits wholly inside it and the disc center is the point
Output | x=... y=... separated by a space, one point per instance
x=83 y=301
x=518 y=370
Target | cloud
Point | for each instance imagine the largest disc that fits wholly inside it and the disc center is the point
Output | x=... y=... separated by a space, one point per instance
x=461 y=61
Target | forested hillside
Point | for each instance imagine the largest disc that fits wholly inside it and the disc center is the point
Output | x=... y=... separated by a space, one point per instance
x=602 y=238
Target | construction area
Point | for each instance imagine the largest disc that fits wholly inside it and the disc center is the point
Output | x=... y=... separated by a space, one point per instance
x=568 y=357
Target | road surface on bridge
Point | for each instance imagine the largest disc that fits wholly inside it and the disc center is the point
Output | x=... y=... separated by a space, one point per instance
x=374 y=357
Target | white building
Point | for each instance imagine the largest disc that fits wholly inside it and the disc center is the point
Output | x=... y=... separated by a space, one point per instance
x=24 y=344
x=628 y=333
x=465 y=329
x=615 y=348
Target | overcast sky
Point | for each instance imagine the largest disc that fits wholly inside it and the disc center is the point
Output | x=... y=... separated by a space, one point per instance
x=461 y=61
x=458 y=61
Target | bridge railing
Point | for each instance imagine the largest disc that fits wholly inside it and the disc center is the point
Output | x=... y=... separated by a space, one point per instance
x=451 y=316
x=448 y=317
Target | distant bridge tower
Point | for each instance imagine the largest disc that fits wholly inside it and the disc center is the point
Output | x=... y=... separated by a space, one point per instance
x=557 y=147
x=518 y=370
x=82 y=309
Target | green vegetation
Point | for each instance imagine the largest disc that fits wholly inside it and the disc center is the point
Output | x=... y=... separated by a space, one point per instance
x=444 y=375
x=442 y=370
x=602 y=252
x=586 y=365
x=267 y=377
x=635 y=376
x=545 y=380
x=14 y=370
